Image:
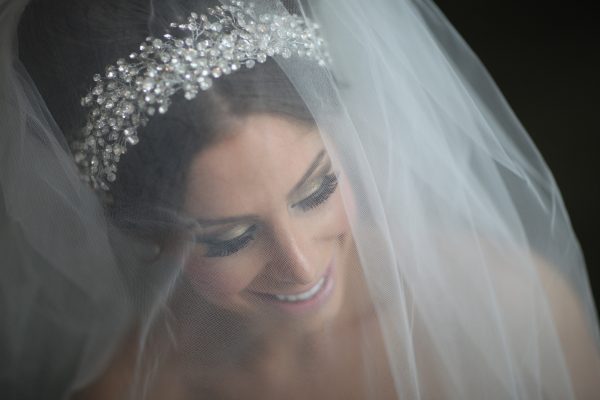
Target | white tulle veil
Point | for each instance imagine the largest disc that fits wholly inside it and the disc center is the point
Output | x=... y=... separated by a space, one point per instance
x=475 y=278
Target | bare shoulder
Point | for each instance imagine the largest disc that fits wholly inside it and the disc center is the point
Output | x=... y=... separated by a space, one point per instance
x=541 y=300
x=548 y=318
x=575 y=327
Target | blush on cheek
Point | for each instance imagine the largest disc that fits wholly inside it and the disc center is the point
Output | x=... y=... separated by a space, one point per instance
x=341 y=216
x=349 y=199
x=220 y=279
x=334 y=220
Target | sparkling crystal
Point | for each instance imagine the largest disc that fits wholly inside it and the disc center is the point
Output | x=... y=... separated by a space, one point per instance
x=86 y=100
x=186 y=63
x=205 y=84
x=286 y=53
x=128 y=108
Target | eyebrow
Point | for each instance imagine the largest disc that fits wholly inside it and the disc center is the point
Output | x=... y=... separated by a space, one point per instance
x=308 y=172
x=247 y=218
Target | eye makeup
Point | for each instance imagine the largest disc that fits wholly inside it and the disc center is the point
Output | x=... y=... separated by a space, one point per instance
x=216 y=247
x=230 y=243
x=328 y=185
x=307 y=195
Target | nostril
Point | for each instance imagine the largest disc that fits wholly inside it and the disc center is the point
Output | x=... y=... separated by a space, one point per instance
x=290 y=273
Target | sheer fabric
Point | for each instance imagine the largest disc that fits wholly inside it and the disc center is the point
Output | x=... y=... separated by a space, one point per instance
x=429 y=240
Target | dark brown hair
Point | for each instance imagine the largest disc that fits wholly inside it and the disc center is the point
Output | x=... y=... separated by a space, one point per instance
x=63 y=43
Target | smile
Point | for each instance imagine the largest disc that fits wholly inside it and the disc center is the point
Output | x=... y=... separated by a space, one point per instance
x=305 y=295
x=311 y=299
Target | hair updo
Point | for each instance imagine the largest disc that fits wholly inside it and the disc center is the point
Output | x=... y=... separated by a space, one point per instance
x=63 y=43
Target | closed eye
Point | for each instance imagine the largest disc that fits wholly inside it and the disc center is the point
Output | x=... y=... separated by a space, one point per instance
x=319 y=196
x=218 y=248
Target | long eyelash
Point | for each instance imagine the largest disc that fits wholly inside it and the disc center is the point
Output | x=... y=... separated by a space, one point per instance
x=328 y=187
x=229 y=247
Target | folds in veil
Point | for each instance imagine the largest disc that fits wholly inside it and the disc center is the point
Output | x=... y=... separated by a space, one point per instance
x=474 y=222
x=457 y=273
x=57 y=309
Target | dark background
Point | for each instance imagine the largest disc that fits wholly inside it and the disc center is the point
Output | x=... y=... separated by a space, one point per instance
x=545 y=57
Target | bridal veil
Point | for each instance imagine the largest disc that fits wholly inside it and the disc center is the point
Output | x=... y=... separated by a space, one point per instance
x=472 y=275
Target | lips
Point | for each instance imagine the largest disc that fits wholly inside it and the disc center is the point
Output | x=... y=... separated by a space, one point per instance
x=310 y=299
x=304 y=295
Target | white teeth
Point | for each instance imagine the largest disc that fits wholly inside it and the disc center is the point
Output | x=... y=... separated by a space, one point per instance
x=302 y=296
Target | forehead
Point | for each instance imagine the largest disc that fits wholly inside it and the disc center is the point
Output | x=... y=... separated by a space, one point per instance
x=258 y=162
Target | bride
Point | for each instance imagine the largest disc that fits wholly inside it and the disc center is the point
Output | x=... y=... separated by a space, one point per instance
x=295 y=199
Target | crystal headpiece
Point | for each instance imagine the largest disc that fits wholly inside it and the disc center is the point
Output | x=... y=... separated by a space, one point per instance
x=186 y=59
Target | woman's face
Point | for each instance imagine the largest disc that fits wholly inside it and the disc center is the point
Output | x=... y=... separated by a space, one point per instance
x=272 y=235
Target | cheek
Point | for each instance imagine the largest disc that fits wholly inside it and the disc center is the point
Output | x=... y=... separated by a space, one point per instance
x=220 y=278
x=349 y=199
x=334 y=219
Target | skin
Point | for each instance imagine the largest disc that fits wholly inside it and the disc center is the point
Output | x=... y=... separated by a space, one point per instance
x=259 y=176
x=262 y=164
x=253 y=176
x=254 y=171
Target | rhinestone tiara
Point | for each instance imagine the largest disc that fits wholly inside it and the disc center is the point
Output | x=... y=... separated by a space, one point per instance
x=186 y=59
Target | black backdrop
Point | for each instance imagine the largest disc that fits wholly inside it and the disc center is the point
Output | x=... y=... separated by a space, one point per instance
x=545 y=56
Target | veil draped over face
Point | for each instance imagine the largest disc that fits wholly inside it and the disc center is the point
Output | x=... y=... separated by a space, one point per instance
x=455 y=272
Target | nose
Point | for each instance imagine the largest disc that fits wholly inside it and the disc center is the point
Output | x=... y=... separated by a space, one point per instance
x=290 y=260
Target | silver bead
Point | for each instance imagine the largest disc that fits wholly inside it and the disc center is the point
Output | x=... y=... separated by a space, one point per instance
x=206 y=48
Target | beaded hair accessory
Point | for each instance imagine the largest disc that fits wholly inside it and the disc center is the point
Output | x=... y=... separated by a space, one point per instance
x=186 y=59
